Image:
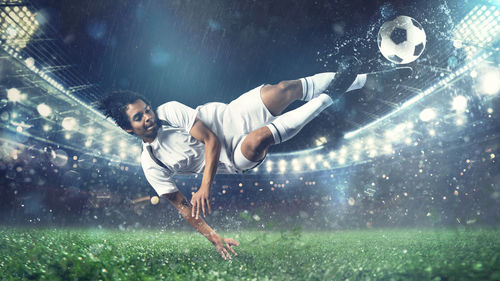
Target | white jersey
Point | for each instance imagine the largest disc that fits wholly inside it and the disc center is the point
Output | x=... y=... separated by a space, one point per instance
x=181 y=153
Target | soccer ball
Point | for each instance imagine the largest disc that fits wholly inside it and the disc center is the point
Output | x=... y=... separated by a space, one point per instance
x=401 y=40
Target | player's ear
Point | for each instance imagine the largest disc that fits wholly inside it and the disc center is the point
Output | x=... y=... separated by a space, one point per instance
x=130 y=131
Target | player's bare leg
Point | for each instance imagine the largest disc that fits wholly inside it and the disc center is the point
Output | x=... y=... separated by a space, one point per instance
x=278 y=97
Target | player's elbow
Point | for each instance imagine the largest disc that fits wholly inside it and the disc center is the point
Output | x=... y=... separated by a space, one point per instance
x=213 y=141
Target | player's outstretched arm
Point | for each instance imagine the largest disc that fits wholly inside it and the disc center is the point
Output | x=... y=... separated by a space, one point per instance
x=221 y=244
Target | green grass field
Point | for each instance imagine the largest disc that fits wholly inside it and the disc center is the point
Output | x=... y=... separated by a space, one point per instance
x=384 y=254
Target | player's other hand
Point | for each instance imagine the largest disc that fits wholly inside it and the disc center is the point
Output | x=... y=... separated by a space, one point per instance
x=224 y=244
x=201 y=200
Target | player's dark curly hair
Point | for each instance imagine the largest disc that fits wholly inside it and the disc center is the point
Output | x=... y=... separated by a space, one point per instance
x=115 y=104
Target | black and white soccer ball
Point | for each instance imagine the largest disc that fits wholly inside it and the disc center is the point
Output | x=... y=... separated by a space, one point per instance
x=401 y=40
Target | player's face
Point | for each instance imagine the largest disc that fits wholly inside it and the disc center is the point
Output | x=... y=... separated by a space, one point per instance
x=142 y=120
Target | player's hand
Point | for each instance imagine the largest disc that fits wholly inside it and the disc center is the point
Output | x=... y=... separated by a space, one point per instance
x=222 y=249
x=201 y=200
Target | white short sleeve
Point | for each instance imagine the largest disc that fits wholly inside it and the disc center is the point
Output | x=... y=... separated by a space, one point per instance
x=160 y=180
x=177 y=114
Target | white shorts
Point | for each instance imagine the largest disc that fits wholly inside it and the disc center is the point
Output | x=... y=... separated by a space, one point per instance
x=232 y=122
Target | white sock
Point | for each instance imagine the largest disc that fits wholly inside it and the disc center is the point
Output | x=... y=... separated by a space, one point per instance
x=313 y=86
x=289 y=124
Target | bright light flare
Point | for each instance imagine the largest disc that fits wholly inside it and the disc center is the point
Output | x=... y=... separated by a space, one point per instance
x=341 y=160
x=69 y=123
x=88 y=143
x=459 y=104
x=296 y=165
x=388 y=148
x=282 y=165
x=489 y=81
x=14 y=95
x=30 y=62
x=427 y=114
x=44 y=110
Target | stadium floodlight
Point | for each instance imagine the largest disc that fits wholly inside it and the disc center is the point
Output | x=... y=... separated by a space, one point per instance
x=432 y=132
x=296 y=168
x=67 y=136
x=343 y=151
x=88 y=143
x=478 y=29
x=391 y=135
x=308 y=160
x=30 y=62
x=296 y=165
x=341 y=160
x=489 y=80
x=44 y=110
x=46 y=128
x=69 y=123
x=388 y=148
x=370 y=142
x=459 y=104
x=282 y=165
x=427 y=114
x=18 y=26
x=321 y=141
x=269 y=165
x=355 y=157
x=332 y=154
x=408 y=140
x=319 y=157
x=14 y=95
x=312 y=166
x=358 y=145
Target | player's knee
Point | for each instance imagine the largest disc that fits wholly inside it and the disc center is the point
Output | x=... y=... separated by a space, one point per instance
x=254 y=148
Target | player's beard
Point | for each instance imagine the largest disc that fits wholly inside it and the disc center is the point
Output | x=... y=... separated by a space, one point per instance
x=152 y=132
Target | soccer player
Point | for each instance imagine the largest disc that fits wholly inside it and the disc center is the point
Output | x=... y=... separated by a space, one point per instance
x=218 y=137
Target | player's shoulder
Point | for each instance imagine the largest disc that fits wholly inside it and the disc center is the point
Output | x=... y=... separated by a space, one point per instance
x=170 y=104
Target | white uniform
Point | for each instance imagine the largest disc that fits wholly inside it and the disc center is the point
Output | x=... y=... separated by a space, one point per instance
x=181 y=153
